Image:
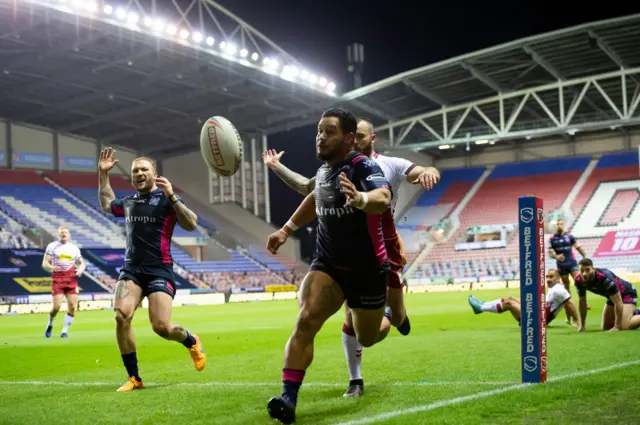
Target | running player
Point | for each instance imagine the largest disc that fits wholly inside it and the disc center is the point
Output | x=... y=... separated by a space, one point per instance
x=556 y=298
x=351 y=262
x=150 y=217
x=619 y=312
x=561 y=247
x=61 y=258
x=395 y=170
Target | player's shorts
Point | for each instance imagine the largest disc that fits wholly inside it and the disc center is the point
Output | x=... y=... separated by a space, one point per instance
x=567 y=268
x=366 y=289
x=150 y=279
x=626 y=299
x=65 y=287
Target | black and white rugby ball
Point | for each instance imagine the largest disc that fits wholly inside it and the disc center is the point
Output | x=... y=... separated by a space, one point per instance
x=221 y=146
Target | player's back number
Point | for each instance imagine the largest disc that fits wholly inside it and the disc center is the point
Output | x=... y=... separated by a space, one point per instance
x=221 y=146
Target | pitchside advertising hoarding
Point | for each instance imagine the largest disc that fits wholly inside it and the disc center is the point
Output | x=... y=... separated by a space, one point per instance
x=532 y=290
x=619 y=243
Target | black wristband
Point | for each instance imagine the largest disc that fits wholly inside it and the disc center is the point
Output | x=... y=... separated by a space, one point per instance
x=174 y=198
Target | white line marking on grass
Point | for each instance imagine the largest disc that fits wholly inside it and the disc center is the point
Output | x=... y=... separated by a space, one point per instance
x=483 y=394
x=256 y=384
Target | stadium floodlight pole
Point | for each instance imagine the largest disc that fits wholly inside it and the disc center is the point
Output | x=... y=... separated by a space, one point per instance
x=532 y=290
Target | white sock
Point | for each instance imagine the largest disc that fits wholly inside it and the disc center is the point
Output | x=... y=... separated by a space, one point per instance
x=67 y=322
x=353 y=353
x=50 y=320
x=493 y=306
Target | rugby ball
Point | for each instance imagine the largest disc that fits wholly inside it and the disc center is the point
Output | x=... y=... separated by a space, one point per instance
x=221 y=146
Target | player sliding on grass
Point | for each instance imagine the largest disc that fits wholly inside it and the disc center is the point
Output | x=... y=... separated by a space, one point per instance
x=395 y=170
x=620 y=313
x=556 y=298
x=351 y=262
x=150 y=216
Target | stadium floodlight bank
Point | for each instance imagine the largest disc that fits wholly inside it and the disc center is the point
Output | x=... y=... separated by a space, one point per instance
x=532 y=290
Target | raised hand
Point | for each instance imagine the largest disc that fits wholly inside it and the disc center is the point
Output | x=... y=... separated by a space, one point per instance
x=272 y=159
x=107 y=160
x=354 y=198
x=276 y=240
x=165 y=185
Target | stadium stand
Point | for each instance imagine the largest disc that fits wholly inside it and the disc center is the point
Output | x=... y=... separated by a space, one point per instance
x=434 y=206
x=48 y=200
x=493 y=204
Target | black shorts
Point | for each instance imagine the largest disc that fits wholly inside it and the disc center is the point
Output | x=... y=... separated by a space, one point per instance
x=151 y=279
x=366 y=289
x=567 y=268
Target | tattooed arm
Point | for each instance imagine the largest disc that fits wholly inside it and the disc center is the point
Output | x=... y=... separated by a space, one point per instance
x=295 y=181
x=187 y=219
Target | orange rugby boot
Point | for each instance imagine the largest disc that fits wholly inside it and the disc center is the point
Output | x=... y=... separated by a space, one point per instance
x=197 y=354
x=130 y=385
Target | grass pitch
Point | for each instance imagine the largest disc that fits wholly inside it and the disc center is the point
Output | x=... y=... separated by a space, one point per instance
x=454 y=368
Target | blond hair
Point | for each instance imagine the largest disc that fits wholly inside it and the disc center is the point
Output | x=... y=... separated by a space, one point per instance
x=149 y=160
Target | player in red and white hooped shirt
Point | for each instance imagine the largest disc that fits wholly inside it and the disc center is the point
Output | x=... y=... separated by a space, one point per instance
x=395 y=170
x=63 y=260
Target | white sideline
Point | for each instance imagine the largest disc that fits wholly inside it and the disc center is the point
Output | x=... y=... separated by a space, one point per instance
x=483 y=394
x=256 y=384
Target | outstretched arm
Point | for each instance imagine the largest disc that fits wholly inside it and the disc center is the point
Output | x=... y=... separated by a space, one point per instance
x=295 y=181
x=427 y=177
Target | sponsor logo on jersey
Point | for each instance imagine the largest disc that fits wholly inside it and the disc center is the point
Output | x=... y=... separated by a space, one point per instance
x=66 y=257
x=154 y=200
x=140 y=219
x=333 y=212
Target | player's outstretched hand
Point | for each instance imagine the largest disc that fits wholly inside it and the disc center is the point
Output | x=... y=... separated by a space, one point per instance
x=107 y=159
x=165 y=185
x=78 y=273
x=427 y=179
x=354 y=198
x=272 y=159
x=276 y=240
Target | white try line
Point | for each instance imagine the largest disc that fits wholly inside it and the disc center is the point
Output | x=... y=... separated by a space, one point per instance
x=255 y=384
x=483 y=394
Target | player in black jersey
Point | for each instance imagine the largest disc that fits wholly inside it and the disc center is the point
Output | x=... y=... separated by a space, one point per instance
x=619 y=312
x=150 y=215
x=351 y=262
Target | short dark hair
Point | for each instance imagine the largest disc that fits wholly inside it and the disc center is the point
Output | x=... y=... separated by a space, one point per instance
x=586 y=262
x=348 y=122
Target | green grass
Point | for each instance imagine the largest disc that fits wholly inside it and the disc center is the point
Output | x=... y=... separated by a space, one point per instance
x=450 y=353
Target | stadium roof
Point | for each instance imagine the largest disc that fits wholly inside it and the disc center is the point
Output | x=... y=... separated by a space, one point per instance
x=145 y=74
x=512 y=91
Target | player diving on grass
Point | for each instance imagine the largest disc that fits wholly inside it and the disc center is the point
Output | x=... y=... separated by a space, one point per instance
x=620 y=311
x=395 y=171
x=557 y=298
x=150 y=217
x=350 y=196
x=561 y=246
x=64 y=261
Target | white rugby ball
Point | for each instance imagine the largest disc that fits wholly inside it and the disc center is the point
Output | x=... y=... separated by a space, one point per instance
x=221 y=146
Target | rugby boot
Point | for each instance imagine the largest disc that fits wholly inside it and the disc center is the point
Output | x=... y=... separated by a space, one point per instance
x=130 y=385
x=354 y=391
x=281 y=409
x=475 y=304
x=47 y=333
x=197 y=354
x=64 y=335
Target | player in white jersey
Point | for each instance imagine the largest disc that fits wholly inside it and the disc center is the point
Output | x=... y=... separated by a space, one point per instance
x=557 y=298
x=63 y=260
x=395 y=170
